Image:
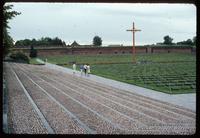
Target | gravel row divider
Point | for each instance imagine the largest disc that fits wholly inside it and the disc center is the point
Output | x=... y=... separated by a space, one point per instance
x=76 y=124
x=142 y=109
x=124 y=104
x=104 y=105
x=108 y=102
x=170 y=107
x=141 y=131
x=151 y=128
x=97 y=98
x=22 y=117
x=116 y=118
x=43 y=119
x=100 y=85
x=106 y=126
x=142 y=118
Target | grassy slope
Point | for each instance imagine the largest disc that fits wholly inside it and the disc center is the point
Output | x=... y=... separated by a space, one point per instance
x=132 y=73
x=118 y=58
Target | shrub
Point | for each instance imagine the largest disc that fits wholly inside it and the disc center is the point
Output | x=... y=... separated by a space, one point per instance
x=19 y=57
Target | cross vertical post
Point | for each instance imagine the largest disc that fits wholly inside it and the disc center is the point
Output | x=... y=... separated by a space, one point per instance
x=133 y=30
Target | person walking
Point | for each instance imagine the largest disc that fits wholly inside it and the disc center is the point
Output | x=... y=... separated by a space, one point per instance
x=88 y=70
x=74 y=67
x=81 y=69
x=85 y=69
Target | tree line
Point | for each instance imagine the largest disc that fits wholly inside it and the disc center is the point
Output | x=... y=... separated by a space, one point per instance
x=44 y=41
x=169 y=41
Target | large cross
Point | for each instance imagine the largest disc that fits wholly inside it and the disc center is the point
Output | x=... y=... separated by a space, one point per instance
x=133 y=30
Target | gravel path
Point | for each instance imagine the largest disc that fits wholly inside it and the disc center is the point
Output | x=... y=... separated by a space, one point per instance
x=56 y=116
x=73 y=105
x=22 y=117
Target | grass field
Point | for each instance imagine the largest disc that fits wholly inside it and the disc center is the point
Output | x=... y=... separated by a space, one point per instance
x=169 y=73
x=95 y=59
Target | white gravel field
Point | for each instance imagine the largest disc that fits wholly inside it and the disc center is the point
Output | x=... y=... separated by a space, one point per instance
x=71 y=104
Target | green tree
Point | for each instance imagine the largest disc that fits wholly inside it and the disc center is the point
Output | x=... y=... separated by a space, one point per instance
x=187 y=42
x=33 y=52
x=7 y=42
x=168 y=40
x=34 y=42
x=97 y=41
x=194 y=40
x=7 y=39
x=44 y=41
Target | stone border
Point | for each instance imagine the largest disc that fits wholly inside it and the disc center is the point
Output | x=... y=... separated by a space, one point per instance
x=5 y=106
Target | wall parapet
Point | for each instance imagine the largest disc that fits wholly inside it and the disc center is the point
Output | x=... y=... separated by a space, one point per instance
x=42 y=51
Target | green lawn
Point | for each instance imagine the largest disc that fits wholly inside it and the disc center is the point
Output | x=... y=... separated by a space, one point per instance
x=34 y=61
x=166 y=77
x=162 y=72
x=95 y=59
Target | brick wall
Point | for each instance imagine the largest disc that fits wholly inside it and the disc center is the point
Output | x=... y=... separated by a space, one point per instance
x=108 y=50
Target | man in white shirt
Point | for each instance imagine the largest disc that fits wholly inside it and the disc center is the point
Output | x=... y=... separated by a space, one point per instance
x=74 y=68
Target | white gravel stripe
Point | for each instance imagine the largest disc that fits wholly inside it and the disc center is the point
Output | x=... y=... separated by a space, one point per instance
x=22 y=117
x=90 y=131
x=184 y=100
x=113 y=116
x=119 y=104
x=185 y=112
x=93 y=89
x=167 y=105
x=141 y=109
x=114 y=125
x=143 y=131
x=43 y=119
x=172 y=114
x=136 y=101
x=136 y=111
x=95 y=99
x=174 y=129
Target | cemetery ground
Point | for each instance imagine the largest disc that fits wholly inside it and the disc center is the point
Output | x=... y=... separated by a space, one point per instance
x=43 y=100
x=172 y=73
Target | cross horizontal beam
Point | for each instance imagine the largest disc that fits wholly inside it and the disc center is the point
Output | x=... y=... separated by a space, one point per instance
x=133 y=30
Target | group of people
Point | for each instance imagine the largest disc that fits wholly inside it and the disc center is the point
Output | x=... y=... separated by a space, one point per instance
x=83 y=68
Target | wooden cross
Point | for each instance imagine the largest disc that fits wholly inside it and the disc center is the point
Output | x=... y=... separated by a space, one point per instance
x=133 y=30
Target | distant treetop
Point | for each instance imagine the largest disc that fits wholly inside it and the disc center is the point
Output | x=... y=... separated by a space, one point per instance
x=44 y=41
x=97 y=41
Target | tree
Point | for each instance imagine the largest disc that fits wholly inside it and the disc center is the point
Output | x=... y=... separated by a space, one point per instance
x=7 y=42
x=194 y=40
x=33 y=52
x=187 y=42
x=7 y=39
x=44 y=41
x=97 y=41
x=168 y=40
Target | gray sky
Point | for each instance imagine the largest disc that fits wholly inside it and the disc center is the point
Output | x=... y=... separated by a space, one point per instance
x=81 y=22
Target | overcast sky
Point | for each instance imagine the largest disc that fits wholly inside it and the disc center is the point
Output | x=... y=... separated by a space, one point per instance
x=82 y=21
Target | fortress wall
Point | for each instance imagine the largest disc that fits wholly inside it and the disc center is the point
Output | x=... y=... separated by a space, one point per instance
x=107 y=50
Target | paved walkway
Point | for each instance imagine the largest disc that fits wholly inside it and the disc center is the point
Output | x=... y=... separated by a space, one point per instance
x=185 y=100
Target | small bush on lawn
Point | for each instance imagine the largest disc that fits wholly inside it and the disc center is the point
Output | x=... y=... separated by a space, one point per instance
x=19 y=57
